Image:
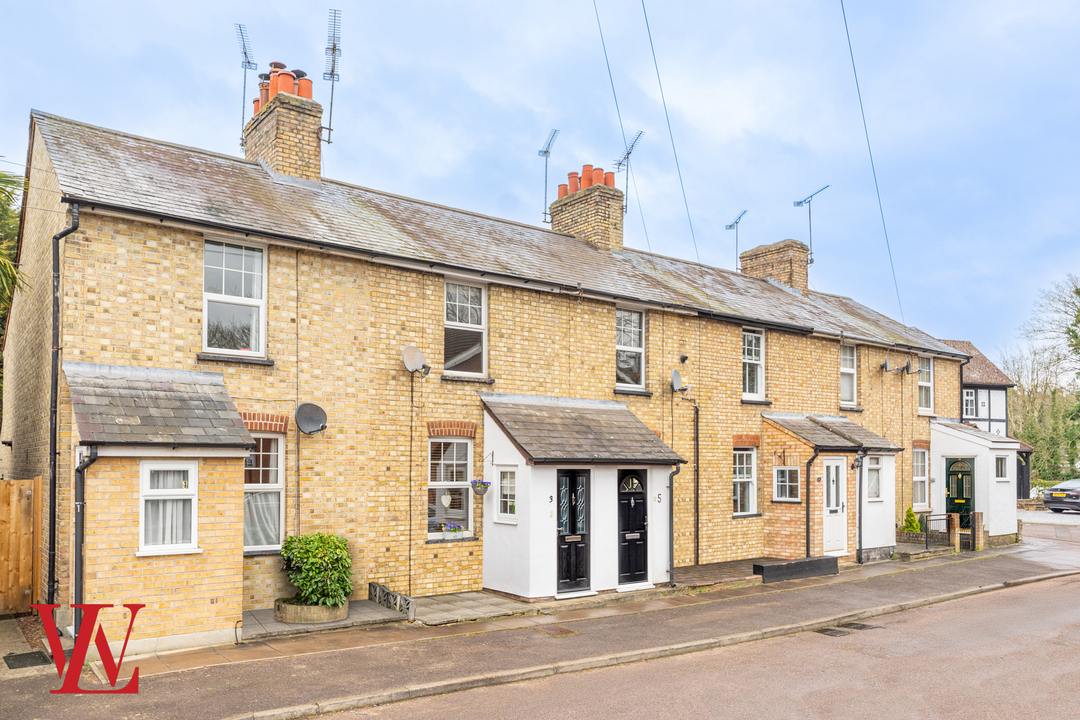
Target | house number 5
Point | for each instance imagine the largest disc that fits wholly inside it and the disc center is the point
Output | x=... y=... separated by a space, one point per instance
x=659 y=497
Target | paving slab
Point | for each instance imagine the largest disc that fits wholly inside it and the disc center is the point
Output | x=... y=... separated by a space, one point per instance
x=260 y=624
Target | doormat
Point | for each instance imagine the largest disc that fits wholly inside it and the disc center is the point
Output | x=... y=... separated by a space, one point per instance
x=555 y=630
x=859 y=626
x=25 y=660
x=833 y=632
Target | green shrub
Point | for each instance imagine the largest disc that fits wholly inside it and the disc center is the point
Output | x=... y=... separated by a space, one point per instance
x=911 y=522
x=319 y=566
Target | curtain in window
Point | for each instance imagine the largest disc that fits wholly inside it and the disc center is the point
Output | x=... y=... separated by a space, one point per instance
x=262 y=513
x=168 y=479
x=167 y=522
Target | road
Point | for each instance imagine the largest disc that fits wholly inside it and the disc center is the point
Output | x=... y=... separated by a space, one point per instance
x=1008 y=654
x=1046 y=517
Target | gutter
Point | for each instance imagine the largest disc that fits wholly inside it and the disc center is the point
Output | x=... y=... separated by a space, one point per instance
x=80 y=516
x=54 y=381
x=817 y=451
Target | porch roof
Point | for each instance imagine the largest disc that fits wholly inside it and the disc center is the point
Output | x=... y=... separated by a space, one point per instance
x=125 y=405
x=567 y=430
x=832 y=432
x=974 y=434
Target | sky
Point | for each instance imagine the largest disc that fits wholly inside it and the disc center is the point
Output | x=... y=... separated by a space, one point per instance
x=971 y=107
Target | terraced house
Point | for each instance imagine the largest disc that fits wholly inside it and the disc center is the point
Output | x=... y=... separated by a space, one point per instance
x=202 y=298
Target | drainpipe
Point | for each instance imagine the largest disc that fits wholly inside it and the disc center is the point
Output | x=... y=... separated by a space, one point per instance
x=806 y=500
x=671 y=524
x=697 y=486
x=859 y=508
x=80 y=505
x=54 y=392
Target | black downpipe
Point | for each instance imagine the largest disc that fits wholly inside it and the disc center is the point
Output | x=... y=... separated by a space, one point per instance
x=806 y=499
x=54 y=392
x=697 y=486
x=859 y=508
x=671 y=524
x=80 y=506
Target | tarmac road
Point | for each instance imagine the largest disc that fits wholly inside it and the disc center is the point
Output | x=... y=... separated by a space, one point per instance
x=1008 y=654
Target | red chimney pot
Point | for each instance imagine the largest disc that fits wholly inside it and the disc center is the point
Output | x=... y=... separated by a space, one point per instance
x=573 y=181
x=563 y=191
x=609 y=179
x=586 y=176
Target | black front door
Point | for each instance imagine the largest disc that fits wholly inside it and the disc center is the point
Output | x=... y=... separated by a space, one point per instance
x=633 y=528
x=573 y=530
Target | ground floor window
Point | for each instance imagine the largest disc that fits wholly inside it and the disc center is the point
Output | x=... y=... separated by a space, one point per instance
x=873 y=478
x=449 y=509
x=264 y=494
x=508 y=494
x=1001 y=468
x=919 y=479
x=744 y=474
x=786 y=483
x=168 y=506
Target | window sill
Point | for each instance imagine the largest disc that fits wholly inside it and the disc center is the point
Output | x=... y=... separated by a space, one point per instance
x=640 y=392
x=156 y=553
x=795 y=501
x=927 y=413
x=850 y=408
x=208 y=357
x=466 y=379
x=752 y=401
x=875 y=500
x=435 y=541
x=505 y=521
x=742 y=516
x=258 y=553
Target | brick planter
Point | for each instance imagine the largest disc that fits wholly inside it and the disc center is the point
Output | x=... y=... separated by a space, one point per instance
x=287 y=613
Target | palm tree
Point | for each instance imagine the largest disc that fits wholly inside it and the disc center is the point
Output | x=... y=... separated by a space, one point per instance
x=11 y=279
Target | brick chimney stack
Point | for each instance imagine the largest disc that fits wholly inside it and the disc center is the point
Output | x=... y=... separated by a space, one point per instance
x=785 y=262
x=590 y=207
x=285 y=130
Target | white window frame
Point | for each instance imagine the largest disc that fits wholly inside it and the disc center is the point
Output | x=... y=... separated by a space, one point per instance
x=873 y=463
x=853 y=372
x=998 y=459
x=972 y=396
x=279 y=488
x=191 y=492
x=233 y=300
x=776 y=484
x=510 y=518
x=627 y=348
x=466 y=484
x=923 y=479
x=925 y=410
x=466 y=326
x=752 y=481
x=760 y=362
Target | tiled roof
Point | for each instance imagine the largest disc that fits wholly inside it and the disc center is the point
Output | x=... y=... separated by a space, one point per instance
x=96 y=165
x=121 y=405
x=980 y=371
x=549 y=430
x=977 y=434
x=831 y=432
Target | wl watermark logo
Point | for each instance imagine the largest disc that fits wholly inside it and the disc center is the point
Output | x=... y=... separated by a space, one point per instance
x=82 y=645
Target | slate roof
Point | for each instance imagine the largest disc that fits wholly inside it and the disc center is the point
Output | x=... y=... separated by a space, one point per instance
x=980 y=371
x=122 y=405
x=96 y=166
x=563 y=430
x=832 y=432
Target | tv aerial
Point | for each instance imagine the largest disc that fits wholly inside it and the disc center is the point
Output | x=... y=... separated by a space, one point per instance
x=414 y=360
x=545 y=152
x=248 y=63
x=310 y=418
x=333 y=52
x=809 y=219
x=623 y=163
x=735 y=226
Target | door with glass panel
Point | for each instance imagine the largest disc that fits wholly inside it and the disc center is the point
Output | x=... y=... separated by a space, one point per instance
x=958 y=489
x=633 y=528
x=573 y=530
x=834 y=523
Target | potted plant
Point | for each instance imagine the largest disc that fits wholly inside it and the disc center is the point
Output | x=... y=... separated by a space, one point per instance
x=320 y=567
x=480 y=486
x=452 y=528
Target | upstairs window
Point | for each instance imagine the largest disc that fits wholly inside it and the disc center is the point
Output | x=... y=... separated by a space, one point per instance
x=847 y=375
x=629 y=348
x=969 y=403
x=926 y=384
x=753 y=365
x=465 y=333
x=234 y=298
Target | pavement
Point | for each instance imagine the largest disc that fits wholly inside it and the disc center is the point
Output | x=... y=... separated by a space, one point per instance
x=260 y=624
x=361 y=667
x=12 y=642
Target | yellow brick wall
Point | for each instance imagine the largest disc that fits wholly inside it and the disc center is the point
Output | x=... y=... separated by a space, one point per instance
x=285 y=135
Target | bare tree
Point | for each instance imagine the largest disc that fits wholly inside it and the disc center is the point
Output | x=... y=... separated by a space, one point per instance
x=1056 y=311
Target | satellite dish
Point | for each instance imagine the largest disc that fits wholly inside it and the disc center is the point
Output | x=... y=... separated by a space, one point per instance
x=885 y=366
x=310 y=418
x=413 y=358
x=676 y=381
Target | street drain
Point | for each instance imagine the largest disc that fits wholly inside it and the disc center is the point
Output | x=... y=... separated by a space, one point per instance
x=555 y=630
x=859 y=626
x=25 y=660
x=833 y=632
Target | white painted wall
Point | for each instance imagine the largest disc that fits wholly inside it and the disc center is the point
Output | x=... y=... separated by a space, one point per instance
x=995 y=499
x=879 y=516
x=507 y=560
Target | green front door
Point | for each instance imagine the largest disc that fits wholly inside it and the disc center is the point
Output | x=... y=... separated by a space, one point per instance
x=959 y=489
